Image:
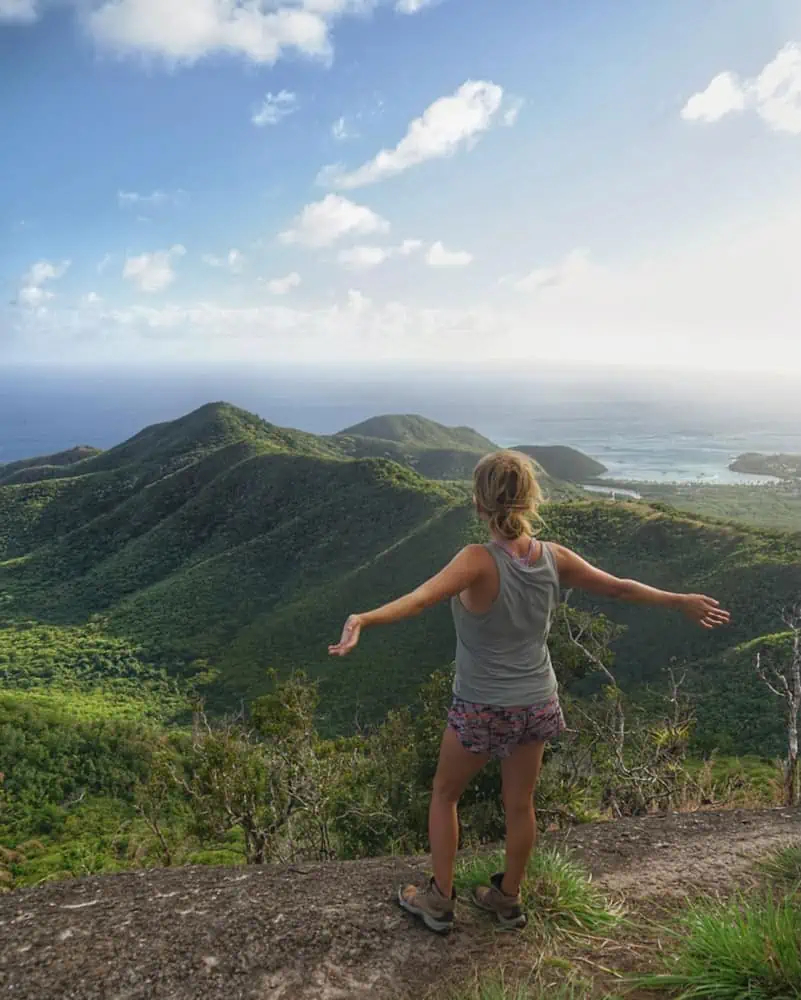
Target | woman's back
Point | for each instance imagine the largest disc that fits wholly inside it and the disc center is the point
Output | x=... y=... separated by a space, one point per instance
x=502 y=655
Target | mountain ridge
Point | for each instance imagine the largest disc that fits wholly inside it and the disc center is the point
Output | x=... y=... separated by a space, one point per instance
x=411 y=428
x=220 y=537
x=432 y=449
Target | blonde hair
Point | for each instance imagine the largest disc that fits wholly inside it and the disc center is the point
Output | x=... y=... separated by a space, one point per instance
x=506 y=490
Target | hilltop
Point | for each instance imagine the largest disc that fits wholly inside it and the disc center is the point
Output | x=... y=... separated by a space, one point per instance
x=440 y=452
x=420 y=432
x=433 y=450
x=222 y=540
x=333 y=931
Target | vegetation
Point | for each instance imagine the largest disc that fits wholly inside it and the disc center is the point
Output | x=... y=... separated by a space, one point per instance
x=775 y=506
x=564 y=463
x=45 y=466
x=557 y=892
x=88 y=791
x=745 y=947
x=451 y=453
x=498 y=986
x=783 y=866
x=781 y=466
x=222 y=539
x=420 y=432
x=93 y=674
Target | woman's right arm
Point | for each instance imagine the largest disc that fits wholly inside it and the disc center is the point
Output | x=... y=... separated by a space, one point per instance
x=461 y=573
x=577 y=572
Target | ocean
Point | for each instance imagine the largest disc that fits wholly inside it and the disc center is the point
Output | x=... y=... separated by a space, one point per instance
x=663 y=427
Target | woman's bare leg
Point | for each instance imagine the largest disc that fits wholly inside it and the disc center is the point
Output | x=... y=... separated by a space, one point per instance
x=456 y=768
x=520 y=772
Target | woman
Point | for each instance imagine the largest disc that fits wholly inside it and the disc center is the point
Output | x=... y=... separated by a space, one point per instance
x=506 y=703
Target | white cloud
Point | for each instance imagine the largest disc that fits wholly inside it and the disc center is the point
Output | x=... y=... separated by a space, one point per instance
x=92 y=299
x=33 y=295
x=32 y=291
x=188 y=30
x=322 y=223
x=774 y=94
x=777 y=91
x=412 y=6
x=129 y=199
x=365 y=257
x=104 y=263
x=185 y=31
x=409 y=247
x=281 y=286
x=438 y=256
x=449 y=124
x=234 y=261
x=723 y=96
x=19 y=11
x=274 y=108
x=46 y=270
x=153 y=272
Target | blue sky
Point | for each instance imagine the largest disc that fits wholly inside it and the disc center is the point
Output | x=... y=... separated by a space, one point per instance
x=376 y=180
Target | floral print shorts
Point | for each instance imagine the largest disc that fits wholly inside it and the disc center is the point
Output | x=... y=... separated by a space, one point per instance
x=497 y=731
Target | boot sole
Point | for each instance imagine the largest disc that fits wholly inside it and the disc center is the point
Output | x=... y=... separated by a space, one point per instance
x=507 y=923
x=441 y=927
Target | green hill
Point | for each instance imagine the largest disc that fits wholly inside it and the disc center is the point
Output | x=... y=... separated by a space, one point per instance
x=449 y=453
x=420 y=432
x=433 y=450
x=564 y=463
x=221 y=541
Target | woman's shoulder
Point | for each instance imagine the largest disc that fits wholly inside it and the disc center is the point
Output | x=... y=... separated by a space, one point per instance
x=479 y=551
x=477 y=558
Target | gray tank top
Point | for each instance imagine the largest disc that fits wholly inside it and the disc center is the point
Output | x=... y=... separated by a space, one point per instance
x=502 y=656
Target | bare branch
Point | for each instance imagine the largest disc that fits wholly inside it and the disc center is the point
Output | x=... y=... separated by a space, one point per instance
x=764 y=677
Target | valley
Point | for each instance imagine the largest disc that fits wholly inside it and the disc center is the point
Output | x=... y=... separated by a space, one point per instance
x=222 y=547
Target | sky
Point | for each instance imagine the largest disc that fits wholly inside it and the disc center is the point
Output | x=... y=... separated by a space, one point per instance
x=354 y=182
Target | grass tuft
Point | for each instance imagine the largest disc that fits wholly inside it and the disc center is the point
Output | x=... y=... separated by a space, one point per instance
x=736 y=950
x=557 y=892
x=783 y=866
x=496 y=986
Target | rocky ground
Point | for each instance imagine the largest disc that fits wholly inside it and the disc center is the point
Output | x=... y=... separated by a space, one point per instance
x=329 y=931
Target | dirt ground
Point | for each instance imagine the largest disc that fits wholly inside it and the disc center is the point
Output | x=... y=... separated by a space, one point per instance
x=329 y=931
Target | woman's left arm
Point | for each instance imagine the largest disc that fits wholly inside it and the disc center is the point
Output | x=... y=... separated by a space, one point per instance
x=463 y=571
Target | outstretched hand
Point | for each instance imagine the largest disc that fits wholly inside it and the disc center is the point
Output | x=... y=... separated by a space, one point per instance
x=706 y=611
x=350 y=637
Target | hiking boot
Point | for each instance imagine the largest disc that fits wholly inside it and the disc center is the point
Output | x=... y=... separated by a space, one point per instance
x=430 y=905
x=508 y=909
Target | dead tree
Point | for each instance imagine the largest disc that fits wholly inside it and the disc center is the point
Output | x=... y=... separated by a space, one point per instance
x=785 y=683
x=580 y=634
x=639 y=762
